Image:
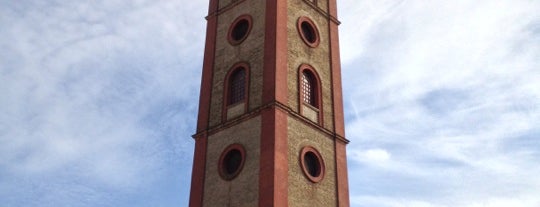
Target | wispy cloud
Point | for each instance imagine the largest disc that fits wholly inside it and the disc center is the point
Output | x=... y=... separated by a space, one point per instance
x=98 y=99
x=98 y=102
x=450 y=90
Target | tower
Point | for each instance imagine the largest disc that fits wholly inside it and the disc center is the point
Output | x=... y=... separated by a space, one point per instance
x=270 y=128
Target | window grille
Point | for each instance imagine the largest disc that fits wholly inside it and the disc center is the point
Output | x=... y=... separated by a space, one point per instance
x=237 y=86
x=308 y=89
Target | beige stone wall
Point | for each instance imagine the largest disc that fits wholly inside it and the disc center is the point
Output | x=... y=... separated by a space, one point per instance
x=323 y=4
x=224 y=3
x=250 y=51
x=302 y=192
x=244 y=189
x=318 y=57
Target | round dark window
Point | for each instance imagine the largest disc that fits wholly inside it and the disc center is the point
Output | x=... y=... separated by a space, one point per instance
x=240 y=29
x=231 y=161
x=308 y=31
x=312 y=164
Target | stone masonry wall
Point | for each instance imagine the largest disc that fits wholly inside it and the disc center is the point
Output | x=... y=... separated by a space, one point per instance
x=319 y=58
x=251 y=50
x=302 y=192
x=244 y=189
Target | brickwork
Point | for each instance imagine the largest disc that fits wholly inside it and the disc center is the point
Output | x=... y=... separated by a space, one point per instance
x=275 y=128
x=226 y=3
x=242 y=190
x=302 y=192
x=300 y=53
x=321 y=4
x=249 y=51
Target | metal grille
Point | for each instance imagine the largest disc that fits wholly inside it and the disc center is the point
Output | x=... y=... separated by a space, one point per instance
x=308 y=89
x=237 y=86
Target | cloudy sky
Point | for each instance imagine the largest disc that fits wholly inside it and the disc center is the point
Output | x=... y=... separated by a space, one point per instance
x=98 y=101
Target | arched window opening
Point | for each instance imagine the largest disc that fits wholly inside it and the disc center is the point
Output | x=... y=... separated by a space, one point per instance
x=309 y=94
x=308 y=89
x=237 y=84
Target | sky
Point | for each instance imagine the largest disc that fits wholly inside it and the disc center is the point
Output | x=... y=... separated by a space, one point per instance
x=98 y=102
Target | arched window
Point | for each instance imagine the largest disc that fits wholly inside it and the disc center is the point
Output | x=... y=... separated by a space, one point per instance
x=236 y=91
x=309 y=93
x=237 y=86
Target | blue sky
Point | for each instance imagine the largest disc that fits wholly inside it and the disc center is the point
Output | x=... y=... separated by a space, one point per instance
x=98 y=102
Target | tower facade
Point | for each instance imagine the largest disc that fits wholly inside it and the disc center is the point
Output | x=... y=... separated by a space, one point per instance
x=270 y=128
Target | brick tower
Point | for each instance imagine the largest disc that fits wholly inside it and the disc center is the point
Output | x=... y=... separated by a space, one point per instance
x=270 y=128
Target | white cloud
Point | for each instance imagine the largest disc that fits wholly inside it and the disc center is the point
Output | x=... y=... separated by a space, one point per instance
x=98 y=99
x=373 y=156
x=380 y=201
x=450 y=88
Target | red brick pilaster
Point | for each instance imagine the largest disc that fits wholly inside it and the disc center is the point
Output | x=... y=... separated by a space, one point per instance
x=198 y=172
x=273 y=177
x=342 y=188
x=208 y=67
x=199 y=159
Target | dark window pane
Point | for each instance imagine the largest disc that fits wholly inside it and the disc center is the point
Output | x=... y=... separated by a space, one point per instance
x=232 y=161
x=308 y=88
x=309 y=32
x=237 y=86
x=240 y=30
x=312 y=164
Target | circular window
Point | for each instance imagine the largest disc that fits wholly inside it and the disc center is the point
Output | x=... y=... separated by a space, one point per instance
x=308 y=31
x=239 y=29
x=312 y=164
x=231 y=161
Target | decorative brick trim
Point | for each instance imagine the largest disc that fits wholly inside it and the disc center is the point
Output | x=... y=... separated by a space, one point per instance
x=320 y=164
x=275 y=68
x=207 y=71
x=249 y=20
x=279 y=106
x=221 y=163
x=198 y=172
x=218 y=11
x=201 y=142
x=328 y=15
x=312 y=26
x=273 y=170
x=342 y=185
